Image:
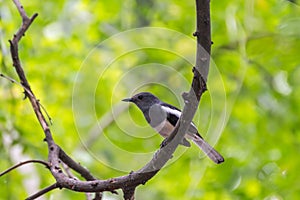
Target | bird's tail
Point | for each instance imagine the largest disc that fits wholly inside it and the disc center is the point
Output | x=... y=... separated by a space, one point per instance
x=208 y=150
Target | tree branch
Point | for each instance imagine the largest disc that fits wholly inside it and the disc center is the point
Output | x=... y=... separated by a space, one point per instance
x=80 y=169
x=8 y=78
x=128 y=193
x=43 y=191
x=46 y=164
x=75 y=166
x=54 y=150
x=26 y=21
x=200 y=71
x=129 y=182
x=203 y=39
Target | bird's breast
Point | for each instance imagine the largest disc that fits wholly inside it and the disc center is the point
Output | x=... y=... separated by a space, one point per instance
x=165 y=128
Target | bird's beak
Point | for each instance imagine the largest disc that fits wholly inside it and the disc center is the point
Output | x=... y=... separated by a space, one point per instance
x=127 y=100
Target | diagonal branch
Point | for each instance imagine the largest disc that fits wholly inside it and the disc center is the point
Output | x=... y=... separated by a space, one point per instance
x=43 y=191
x=75 y=166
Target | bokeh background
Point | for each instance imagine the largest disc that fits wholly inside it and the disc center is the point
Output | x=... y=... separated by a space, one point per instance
x=83 y=57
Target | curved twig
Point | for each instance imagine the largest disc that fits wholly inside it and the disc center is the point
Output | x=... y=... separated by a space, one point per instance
x=46 y=164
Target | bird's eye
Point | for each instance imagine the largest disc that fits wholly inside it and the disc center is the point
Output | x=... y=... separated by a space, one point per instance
x=140 y=97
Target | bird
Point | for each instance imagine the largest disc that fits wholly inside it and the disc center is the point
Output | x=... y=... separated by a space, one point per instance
x=163 y=117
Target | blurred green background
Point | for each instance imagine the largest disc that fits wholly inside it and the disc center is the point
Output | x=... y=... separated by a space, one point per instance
x=81 y=63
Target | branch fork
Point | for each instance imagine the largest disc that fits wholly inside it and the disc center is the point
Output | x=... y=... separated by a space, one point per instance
x=58 y=158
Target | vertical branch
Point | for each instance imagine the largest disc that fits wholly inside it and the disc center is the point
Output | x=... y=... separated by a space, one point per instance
x=203 y=35
x=200 y=70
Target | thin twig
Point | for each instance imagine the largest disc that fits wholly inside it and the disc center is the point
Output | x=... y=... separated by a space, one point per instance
x=21 y=10
x=43 y=191
x=28 y=93
x=16 y=82
x=46 y=112
x=26 y=21
x=10 y=79
x=46 y=164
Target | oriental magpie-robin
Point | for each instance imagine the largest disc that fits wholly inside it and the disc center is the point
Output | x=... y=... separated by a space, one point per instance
x=163 y=118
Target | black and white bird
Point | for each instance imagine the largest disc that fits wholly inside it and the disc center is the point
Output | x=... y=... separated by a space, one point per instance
x=163 y=118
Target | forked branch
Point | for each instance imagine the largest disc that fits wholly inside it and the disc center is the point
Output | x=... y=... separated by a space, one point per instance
x=129 y=182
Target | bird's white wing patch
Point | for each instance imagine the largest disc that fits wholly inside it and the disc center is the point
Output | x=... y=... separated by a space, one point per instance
x=177 y=113
x=172 y=111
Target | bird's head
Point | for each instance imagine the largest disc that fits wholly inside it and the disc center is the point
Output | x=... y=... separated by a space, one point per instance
x=143 y=100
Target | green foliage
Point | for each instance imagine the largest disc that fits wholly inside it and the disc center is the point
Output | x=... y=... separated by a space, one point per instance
x=81 y=64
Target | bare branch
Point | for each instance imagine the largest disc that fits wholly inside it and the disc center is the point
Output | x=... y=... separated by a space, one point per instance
x=98 y=195
x=203 y=39
x=55 y=151
x=8 y=78
x=78 y=168
x=75 y=166
x=200 y=71
x=43 y=191
x=128 y=193
x=46 y=164
x=16 y=82
x=131 y=181
x=26 y=21
x=89 y=196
